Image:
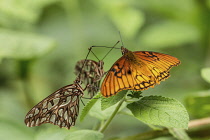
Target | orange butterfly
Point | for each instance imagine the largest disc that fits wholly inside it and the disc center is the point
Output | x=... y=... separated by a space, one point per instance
x=137 y=71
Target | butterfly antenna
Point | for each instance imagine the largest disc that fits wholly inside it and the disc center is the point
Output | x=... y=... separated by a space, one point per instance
x=121 y=38
x=82 y=101
x=85 y=61
x=90 y=50
x=111 y=49
x=94 y=54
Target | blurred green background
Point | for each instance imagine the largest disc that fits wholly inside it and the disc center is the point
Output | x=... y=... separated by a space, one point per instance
x=40 y=42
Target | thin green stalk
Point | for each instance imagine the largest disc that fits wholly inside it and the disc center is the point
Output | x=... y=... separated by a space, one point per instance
x=27 y=92
x=24 y=67
x=102 y=129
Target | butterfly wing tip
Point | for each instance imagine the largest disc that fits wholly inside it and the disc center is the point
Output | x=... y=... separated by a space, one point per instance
x=178 y=63
x=26 y=123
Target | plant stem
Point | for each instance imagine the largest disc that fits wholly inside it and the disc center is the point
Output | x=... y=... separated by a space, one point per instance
x=195 y=128
x=26 y=90
x=199 y=122
x=102 y=129
x=24 y=67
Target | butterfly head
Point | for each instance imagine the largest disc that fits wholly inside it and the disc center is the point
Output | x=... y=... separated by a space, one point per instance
x=101 y=64
x=124 y=50
x=78 y=81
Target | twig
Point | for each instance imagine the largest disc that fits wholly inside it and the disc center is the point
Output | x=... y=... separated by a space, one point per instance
x=204 y=122
x=199 y=122
x=102 y=129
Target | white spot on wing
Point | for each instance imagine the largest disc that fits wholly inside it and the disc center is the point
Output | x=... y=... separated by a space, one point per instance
x=43 y=119
x=60 y=112
x=65 y=115
x=36 y=111
x=52 y=118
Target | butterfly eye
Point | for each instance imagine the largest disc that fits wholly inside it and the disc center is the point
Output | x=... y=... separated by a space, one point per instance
x=124 y=50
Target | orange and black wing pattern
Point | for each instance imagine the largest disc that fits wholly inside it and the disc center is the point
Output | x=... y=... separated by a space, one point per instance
x=137 y=71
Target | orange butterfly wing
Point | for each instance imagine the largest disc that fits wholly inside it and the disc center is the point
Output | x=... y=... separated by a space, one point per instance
x=137 y=71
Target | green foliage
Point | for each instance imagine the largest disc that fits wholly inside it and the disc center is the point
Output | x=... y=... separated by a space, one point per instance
x=85 y=135
x=208 y=3
x=170 y=32
x=135 y=94
x=180 y=134
x=161 y=111
x=107 y=102
x=56 y=134
x=23 y=45
x=198 y=105
x=18 y=131
x=96 y=111
x=89 y=105
x=123 y=15
x=64 y=134
x=21 y=13
x=52 y=134
x=10 y=119
x=205 y=73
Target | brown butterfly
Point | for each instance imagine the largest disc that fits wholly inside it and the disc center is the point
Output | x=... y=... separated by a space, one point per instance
x=90 y=74
x=137 y=71
x=60 y=108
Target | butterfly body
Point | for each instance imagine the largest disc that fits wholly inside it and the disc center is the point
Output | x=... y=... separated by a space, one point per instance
x=91 y=73
x=136 y=71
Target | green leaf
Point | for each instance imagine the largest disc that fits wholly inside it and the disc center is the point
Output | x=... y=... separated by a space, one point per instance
x=110 y=101
x=19 y=132
x=205 y=73
x=85 y=135
x=103 y=115
x=161 y=111
x=23 y=45
x=180 y=134
x=168 y=34
x=52 y=133
x=135 y=94
x=208 y=3
x=198 y=105
x=88 y=106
